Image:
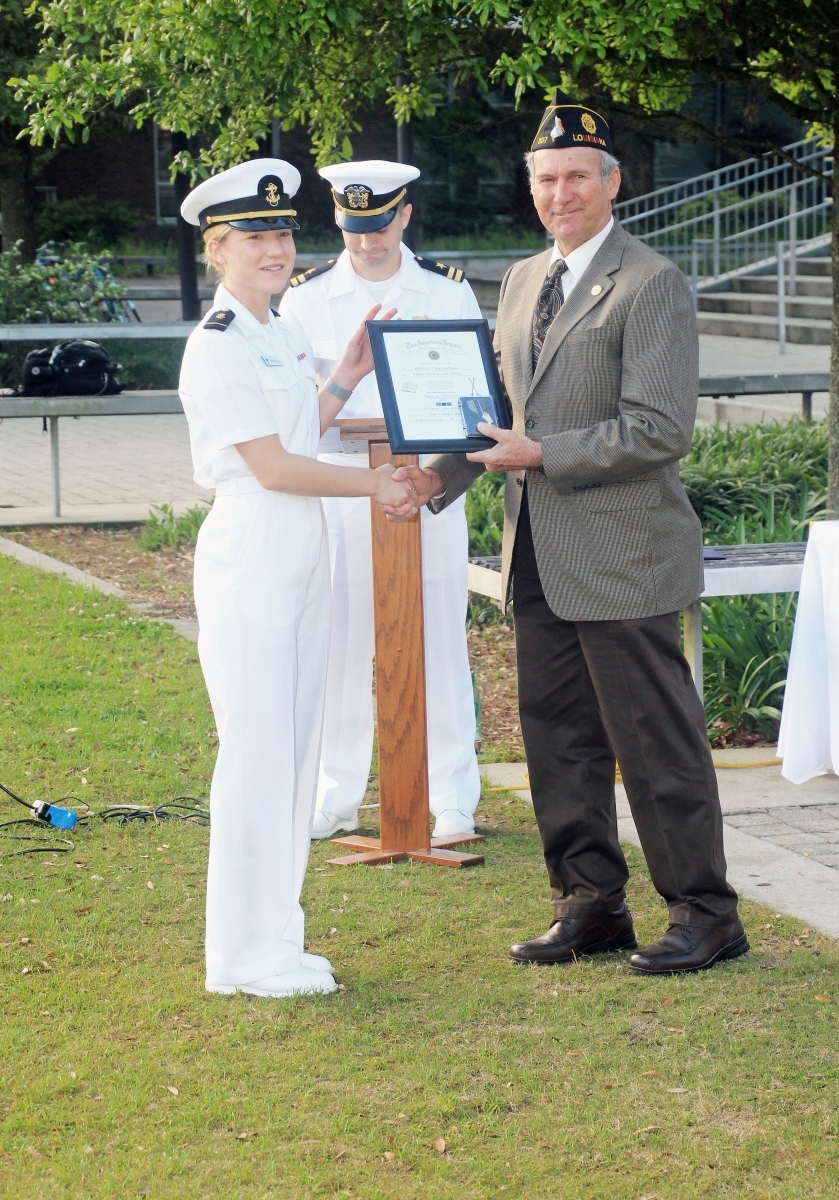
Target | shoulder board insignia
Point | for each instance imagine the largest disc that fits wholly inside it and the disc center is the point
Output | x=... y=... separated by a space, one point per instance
x=453 y=273
x=312 y=273
x=221 y=319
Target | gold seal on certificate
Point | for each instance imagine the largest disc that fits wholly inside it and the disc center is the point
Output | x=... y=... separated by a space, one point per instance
x=438 y=380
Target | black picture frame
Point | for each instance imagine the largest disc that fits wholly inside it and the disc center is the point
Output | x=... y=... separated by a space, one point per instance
x=378 y=331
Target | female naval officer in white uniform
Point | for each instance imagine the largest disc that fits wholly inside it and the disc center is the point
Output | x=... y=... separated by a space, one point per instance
x=262 y=587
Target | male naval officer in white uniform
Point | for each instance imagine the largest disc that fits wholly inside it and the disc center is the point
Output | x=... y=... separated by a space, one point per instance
x=328 y=302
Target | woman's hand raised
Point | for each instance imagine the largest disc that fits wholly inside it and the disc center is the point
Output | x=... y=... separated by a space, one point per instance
x=357 y=359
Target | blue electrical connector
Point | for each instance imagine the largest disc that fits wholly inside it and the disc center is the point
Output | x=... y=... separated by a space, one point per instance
x=51 y=814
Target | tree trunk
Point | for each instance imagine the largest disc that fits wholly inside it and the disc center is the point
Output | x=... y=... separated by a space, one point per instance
x=833 y=418
x=190 y=303
x=17 y=199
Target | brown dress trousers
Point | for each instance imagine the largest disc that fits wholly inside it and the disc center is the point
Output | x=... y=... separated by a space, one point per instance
x=594 y=691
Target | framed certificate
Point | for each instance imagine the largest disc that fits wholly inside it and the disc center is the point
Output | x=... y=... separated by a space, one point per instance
x=437 y=381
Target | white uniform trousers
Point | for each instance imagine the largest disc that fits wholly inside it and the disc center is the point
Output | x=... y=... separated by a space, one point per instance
x=263 y=599
x=454 y=781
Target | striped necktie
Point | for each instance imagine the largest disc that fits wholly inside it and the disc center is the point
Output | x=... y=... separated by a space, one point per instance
x=547 y=306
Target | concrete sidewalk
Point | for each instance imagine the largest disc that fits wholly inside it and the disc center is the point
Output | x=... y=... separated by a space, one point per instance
x=781 y=839
x=112 y=469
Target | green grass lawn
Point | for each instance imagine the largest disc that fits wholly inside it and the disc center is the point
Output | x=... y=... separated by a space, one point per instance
x=121 y=1077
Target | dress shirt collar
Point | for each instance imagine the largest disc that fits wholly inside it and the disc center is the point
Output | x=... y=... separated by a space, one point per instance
x=245 y=320
x=580 y=259
x=344 y=280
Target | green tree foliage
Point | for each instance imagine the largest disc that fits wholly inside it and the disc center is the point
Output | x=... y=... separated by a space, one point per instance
x=225 y=69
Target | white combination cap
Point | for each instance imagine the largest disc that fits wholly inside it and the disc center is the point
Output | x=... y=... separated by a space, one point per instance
x=253 y=195
x=366 y=194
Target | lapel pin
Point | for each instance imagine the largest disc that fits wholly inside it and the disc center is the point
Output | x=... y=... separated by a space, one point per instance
x=596 y=290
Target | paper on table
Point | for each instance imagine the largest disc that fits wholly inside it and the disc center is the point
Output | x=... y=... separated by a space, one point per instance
x=430 y=373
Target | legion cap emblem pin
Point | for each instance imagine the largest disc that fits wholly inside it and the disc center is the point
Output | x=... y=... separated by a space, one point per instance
x=357 y=195
x=588 y=123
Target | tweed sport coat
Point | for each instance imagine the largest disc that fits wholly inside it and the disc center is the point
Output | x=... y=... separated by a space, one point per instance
x=613 y=402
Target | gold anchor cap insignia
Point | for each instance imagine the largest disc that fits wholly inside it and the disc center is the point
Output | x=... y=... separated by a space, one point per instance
x=357 y=195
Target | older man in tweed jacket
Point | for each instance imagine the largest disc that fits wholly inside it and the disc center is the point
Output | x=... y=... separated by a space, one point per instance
x=598 y=352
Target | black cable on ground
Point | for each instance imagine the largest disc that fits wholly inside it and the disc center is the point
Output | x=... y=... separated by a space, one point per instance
x=46 y=816
x=182 y=808
x=42 y=844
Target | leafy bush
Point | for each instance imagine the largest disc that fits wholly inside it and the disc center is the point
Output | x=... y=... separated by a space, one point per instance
x=99 y=226
x=77 y=289
x=731 y=470
x=746 y=643
x=164 y=528
x=485 y=515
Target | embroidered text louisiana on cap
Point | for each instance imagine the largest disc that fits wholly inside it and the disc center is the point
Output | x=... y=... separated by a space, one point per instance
x=566 y=123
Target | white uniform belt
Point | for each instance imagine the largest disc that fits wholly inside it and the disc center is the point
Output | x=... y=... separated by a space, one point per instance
x=239 y=486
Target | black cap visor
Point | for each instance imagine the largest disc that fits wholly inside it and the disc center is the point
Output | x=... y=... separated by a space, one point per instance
x=264 y=224
x=356 y=223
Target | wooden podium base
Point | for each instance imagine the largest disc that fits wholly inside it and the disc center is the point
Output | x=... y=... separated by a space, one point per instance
x=400 y=688
x=370 y=852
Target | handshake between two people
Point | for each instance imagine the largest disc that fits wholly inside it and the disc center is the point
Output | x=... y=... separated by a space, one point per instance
x=511 y=452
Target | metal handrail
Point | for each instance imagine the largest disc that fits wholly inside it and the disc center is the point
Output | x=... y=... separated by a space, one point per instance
x=745 y=209
x=749 y=168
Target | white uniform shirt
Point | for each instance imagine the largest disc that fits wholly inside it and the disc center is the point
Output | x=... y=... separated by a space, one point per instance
x=578 y=260
x=246 y=382
x=330 y=307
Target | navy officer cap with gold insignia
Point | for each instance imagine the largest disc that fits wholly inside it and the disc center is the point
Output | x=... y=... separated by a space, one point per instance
x=567 y=123
x=254 y=195
x=367 y=194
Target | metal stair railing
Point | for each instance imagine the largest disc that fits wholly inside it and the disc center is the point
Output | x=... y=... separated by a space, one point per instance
x=729 y=221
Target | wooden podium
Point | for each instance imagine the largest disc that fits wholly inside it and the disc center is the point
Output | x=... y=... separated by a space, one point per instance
x=400 y=688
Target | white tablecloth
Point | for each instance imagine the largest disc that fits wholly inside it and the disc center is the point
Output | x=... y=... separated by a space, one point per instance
x=809 y=735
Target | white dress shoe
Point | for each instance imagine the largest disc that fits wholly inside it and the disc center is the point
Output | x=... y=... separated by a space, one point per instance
x=316 y=962
x=452 y=821
x=325 y=825
x=302 y=982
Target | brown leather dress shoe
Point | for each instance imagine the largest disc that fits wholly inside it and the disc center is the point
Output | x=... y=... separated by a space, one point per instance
x=571 y=937
x=684 y=949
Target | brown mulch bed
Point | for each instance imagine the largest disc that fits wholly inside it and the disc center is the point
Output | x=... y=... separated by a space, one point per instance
x=492 y=652
x=162 y=579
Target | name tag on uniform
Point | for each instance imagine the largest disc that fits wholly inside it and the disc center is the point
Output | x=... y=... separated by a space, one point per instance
x=271 y=360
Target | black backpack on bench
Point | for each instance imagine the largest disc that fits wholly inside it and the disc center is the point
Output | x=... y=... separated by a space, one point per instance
x=76 y=368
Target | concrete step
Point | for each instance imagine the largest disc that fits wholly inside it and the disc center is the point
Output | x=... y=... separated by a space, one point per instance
x=805 y=285
x=811 y=333
x=814 y=266
x=816 y=308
